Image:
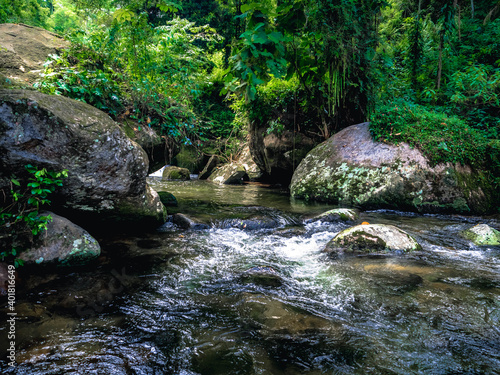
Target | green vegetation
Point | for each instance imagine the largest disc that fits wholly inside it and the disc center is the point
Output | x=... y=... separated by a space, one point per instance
x=20 y=217
x=312 y=67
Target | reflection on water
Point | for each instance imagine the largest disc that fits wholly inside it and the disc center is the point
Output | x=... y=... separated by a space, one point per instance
x=234 y=301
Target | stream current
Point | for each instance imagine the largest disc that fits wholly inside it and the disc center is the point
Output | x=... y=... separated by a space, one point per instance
x=238 y=299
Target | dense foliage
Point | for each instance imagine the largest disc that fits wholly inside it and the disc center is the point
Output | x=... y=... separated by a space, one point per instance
x=313 y=66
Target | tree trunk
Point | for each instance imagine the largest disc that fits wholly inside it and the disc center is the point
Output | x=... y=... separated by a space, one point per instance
x=472 y=8
x=440 y=61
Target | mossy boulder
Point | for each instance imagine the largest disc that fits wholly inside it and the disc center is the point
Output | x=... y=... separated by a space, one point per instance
x=106 y=170
x=352 y=169
x=189 y=157
x=168 y=199
x=337 y=214
x=175 y=173
x=482 y=235
x=229 y=174
x=372 y=238
x=63 y=243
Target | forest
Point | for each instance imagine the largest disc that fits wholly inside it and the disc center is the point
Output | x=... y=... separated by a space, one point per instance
x=200 y=71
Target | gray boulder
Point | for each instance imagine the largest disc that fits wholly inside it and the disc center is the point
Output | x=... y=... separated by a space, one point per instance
x=107 y=171
x=229 y=174
x=372 y=238
x=63 y=243
x=352 y=169
x=482 y=234
x=253 y=171
x=209 y=167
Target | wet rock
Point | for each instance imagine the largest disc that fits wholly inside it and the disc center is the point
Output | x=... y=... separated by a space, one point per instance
x=63 y=243
x=253 y=171
x=262 y=275
x=23 y=51
x=253 y=223
x=396 y=283
x=275 y=317
x=175 y=173
x=184 y=222
x=352 y=169
x=337 y=214
x=209 y=167
x=370 y=238
x=229 y=174
x=482 y=235
x=107 y=171
x=168 y=199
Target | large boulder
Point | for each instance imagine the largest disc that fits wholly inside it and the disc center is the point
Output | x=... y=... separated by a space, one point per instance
x=253 y=171
x=209 y=167
x=229 y=174
x=372 y=238
x=107 y=171
x=63 y=243
x=352 y=169
x=482 y=235
x=24 y=49
x=277 y=156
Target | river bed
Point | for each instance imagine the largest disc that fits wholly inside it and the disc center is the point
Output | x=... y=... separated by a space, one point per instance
x=231 y=300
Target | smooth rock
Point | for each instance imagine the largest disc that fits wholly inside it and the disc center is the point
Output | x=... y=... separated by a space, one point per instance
x=63 y=243
x=184 y=222
x=352 y=169
x=168 y=199
x=262 y=275
x=482 y=235
x=229 y=174
x=106 y=170
x=337 y=214
x=253 y=171
x=23 y=51
x=365 y=239
x=172 y=173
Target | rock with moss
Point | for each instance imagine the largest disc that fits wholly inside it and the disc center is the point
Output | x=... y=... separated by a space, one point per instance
x=482 y=235
x=107 y=171
x=352 y=169
x=175 y=173
x=229 y=174
x=63 y=243
x=189 y=157
x=371 y=238
x=168 y=199
x=337 y=214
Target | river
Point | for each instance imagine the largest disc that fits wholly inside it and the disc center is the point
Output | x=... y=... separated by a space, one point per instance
x=233 y=299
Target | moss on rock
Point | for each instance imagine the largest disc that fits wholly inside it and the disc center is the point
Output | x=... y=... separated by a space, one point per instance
x=482 y=235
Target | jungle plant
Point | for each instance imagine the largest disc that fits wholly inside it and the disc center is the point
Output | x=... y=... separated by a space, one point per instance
x=20 y=219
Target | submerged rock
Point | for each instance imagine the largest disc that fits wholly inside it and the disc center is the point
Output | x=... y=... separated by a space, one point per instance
x=168 y=199
x=63 y=243
x=337 y=214
x=107 y=171
x=184 y=222
x=209 y=167
x=352 y=169
x=175 y=173
x=262 y=275
x=229 y=174
x=482 y=234
x=369 y=238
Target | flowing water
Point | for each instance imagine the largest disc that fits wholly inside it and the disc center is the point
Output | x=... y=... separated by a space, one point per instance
x=264 y=298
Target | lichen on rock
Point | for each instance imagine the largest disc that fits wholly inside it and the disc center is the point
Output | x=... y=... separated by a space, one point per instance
x=482 y=235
